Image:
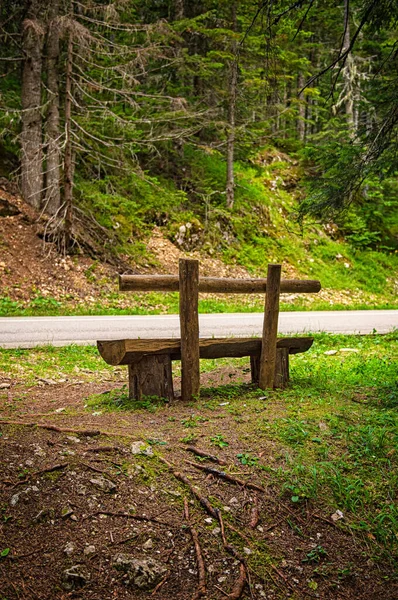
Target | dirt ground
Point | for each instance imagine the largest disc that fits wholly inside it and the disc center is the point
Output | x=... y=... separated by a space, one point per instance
x=88 y=513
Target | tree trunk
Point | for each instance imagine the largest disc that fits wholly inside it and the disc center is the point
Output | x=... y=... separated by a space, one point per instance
x=31 y=134
x=68 y=157
x=53 y=193
x=308 y=117
x=348 y=73
x=233 y=83
x=301 y=108
x=178 y=10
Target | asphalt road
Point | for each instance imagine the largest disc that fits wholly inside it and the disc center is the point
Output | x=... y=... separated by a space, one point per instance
x=27 y=332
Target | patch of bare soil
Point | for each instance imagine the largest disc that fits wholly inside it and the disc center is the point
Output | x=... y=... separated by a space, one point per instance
x=94 y=515
x=30 y=267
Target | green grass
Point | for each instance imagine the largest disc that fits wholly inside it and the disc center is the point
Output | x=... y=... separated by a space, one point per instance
x=339 y=436
x=79 y=362
x=334 y=433
x=168 y=303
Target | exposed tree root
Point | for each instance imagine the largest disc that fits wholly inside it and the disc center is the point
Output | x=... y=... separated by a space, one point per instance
x=230 y=549
x=226 y=477
x=255 y=517
x=199 y=557
x=240 y=583
x=242 y=579
x=181 y=477
x=203 y=454
x=86 y=432
x=202 y=500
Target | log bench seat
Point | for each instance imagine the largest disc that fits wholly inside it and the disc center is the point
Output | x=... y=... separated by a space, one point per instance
x=149 y=361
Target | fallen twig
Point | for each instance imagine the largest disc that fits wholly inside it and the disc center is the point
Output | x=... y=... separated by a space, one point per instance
x=296 y=589
x=332 y=523
x=273 y=525
x=293 y=513
x=254 y=513
x=203 y=454
x=19 y=556
x=160 y=584
x=221 y=590
x=103 y=449
x=281 y=575
x=199 y=557
x=97 y=470
x=226 y=476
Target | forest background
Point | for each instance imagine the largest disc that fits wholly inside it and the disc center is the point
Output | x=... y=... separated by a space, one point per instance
x=253 y=132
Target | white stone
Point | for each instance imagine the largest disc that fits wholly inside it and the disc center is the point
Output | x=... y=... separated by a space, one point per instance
x=337 y=516
x=70 y=548
x=141 y=448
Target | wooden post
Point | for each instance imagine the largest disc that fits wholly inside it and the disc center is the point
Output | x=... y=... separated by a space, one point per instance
x=270 y=328
x=189 y=323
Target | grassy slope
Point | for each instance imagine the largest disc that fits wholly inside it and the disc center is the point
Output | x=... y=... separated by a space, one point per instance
x=260 y=229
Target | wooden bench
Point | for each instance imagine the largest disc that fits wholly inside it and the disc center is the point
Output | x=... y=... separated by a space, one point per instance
x=150 y=360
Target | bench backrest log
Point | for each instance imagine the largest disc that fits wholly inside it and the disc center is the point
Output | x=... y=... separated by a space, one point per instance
x=188 y=284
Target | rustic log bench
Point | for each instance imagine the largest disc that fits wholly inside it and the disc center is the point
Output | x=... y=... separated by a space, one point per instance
x=150 y=360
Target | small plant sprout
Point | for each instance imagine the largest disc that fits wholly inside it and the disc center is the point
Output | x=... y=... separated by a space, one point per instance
x=247 y=459
x=315 y=555
x=219 y=441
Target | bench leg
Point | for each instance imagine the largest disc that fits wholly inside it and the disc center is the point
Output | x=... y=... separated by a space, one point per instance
x=151 y=376
x=281 y=368
x=255 y=368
